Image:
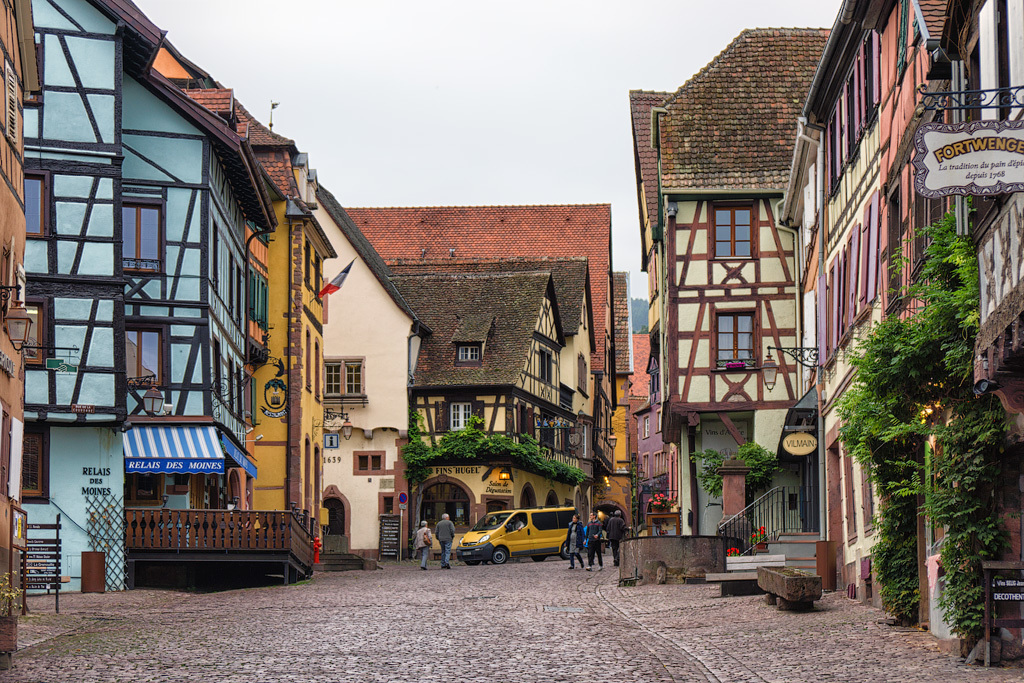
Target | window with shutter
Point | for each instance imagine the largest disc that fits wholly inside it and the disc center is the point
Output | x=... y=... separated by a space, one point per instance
x=833 y=301
x=441 y=416
x=854 y=269
x=876 y=61
x=822 y=318
x=872 y=248
x=11 y=124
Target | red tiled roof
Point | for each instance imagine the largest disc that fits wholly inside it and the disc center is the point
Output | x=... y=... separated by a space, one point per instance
x=646 y=157
x=278 y=165
x=733 y=124
x=640 y=381
x=258 y=134
x=414 y=233
x=620 y=303
x=934 y=13
x=219 y=101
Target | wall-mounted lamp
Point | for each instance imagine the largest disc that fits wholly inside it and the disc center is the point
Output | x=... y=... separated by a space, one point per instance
x=153 y=401
x=505 y=474
x=18 y=326
x=769 y=371
x=346 y=427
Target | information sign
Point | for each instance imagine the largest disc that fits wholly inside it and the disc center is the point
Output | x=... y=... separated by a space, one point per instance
x=390 y=536
x=58 y=365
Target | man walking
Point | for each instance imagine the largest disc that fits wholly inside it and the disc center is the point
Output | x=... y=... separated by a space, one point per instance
x=421 y=544
x=616 y=530
x=445 y=532
x=593 y=532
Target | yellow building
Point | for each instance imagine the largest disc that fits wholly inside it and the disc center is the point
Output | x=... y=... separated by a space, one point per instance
x=614 y=491
x=287 y=390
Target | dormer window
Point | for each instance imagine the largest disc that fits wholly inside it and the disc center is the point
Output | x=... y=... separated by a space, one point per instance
x=468 y=354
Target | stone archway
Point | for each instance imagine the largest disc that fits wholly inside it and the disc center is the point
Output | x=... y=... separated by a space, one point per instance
x=527 y=498
x=339 y=520
x=552 y=499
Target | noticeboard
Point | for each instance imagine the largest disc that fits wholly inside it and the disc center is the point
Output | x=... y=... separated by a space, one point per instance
x=19 y=528
x=390 y=536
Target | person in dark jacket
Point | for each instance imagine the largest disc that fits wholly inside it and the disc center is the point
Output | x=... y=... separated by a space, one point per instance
x=575 y=541
x=593 y=531
x=615 y=528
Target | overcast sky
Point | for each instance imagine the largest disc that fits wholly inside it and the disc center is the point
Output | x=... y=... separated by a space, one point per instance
x=467 y=102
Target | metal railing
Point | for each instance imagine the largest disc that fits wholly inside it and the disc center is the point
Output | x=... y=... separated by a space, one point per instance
x=782 y=510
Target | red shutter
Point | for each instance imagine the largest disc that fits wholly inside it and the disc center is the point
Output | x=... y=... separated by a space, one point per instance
x=855 y=281
x=844 y=290
x=855 y=98
x=872 y=255
x=441 y=416
x=833 y=301
x=876 y=59
x=862 y=268
x=844 y=133
x=822 y=319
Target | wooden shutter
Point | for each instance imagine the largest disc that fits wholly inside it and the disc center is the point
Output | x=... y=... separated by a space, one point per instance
x=833 y=301
x=822 y=318
x=11 y=81
x=876 y=75
x=441 y=416
x=872 y=249
x=478 y=409
x=862 y=266
x=530 y=423
x=854 y=270
x=855 y=97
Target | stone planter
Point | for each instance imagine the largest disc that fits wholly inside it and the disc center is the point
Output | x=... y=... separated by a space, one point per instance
x=8 y=633
x=789 y=588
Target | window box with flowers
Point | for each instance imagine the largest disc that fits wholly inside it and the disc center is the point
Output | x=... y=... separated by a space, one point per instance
x=759 y=539
x=661 y=503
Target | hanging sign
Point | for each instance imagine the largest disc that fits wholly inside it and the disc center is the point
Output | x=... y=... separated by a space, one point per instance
x=800 y=443
x=970 y=158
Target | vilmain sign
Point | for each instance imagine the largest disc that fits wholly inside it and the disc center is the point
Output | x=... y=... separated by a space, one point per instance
x=970 y=158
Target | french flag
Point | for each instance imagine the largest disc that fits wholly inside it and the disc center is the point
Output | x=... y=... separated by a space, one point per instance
x=339 y=279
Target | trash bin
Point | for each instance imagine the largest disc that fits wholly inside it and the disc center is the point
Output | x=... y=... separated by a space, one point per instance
x=94 y=571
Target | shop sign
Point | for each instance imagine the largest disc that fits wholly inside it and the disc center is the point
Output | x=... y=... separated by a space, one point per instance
x=800 y=443
x=455 y=470
x=6 y=364
x=970 y=158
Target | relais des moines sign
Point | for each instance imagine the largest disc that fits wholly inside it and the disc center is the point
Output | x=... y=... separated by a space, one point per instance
x=972 y=158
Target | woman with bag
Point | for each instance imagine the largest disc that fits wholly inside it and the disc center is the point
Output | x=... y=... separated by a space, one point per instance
x=575 y=541
x=421 y=543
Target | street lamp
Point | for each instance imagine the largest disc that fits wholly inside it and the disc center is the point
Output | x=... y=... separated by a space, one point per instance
x=18 y=325
x=153 y=401
x=769 y=370
x=806 y=356
x=346 y=427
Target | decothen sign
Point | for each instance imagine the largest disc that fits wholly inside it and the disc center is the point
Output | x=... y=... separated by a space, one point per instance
x=970 y=158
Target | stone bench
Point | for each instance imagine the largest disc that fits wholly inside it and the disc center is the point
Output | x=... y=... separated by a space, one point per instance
x=789 y=588
x=750 y=563
x=735 y=583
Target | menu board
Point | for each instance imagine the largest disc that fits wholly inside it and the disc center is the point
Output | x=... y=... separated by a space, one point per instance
x=390 y=536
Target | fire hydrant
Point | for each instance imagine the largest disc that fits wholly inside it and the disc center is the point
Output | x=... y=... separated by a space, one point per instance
x=316 y=550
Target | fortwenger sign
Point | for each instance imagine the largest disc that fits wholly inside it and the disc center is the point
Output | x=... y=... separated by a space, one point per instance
x=971 y=158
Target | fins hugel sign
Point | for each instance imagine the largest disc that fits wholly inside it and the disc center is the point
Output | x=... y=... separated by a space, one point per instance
x=972 y=158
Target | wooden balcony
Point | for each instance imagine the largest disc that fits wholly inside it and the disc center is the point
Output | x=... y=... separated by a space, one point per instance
x=260 y=536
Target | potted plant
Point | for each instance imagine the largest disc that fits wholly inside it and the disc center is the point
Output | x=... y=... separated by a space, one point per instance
x=10 y=605
x=661 y=503
x=759 y=539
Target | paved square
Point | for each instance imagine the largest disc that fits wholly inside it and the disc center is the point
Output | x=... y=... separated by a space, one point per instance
x=521 y=622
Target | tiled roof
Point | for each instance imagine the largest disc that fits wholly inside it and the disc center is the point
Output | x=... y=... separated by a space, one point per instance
x=511 y=301
x=646 y=157
x=620 y=304
x=220 y=101
x=417 y=233
x=569 y=275
x=640 y=381
x=259 y=135
x=733 y=124
x=278 y=165
x=367 y=253
x=934 y=13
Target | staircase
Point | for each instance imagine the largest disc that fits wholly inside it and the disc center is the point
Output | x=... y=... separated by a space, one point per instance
x=799 y=549
x=339 y=562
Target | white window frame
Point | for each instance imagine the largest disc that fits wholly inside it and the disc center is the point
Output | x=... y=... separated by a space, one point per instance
x=333 y=387
x=458 y=415
x=362 y=378
x=468 y=353
x=647 y=426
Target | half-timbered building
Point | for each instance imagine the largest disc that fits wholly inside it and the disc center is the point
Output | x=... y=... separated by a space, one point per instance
x=136 y=282
x=724 y=142
x=497 y=232
x=494 y=353
x=615 y=490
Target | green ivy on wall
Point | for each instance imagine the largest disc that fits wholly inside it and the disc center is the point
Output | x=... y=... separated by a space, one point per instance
x=763 y=465
x=472 y=443
x=913 y=387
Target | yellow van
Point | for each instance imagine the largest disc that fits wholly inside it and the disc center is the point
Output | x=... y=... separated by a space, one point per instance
x=528 y=532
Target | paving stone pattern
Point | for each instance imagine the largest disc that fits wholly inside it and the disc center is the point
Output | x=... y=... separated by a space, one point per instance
x=470 y=624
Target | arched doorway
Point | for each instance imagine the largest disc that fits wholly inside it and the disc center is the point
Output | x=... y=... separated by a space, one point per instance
x=335 y=517
x=552 y=500
x=527 y=499
x=445 y=498
x=496 y=506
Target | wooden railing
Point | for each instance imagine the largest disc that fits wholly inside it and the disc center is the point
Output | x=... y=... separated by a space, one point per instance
x=228 y=530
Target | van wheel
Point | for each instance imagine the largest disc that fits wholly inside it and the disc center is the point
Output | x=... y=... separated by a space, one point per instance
x=539 y=558
x=499 y=556
x=563 y=552
x=471 y=563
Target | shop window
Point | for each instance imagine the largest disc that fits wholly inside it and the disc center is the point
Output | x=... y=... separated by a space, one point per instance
x=445 y=498
x=144 y=488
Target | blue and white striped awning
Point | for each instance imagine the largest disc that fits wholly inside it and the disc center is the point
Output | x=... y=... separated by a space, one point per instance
x=173 y=449
x=238 y=456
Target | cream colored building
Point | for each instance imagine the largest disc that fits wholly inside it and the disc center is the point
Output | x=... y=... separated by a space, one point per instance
x=371 y=342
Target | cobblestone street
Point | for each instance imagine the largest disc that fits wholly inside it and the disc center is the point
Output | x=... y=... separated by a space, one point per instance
x=518 y=622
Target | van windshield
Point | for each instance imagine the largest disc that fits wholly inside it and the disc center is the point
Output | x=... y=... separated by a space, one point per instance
x=491 y=521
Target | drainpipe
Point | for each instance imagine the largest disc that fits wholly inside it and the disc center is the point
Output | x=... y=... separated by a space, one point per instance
x=819 y=191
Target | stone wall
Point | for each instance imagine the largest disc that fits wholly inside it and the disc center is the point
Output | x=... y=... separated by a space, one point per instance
x=684 y=556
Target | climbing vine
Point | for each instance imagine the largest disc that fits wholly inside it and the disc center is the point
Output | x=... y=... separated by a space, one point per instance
x=472 y=443
x=912 y=395
x=763 y=465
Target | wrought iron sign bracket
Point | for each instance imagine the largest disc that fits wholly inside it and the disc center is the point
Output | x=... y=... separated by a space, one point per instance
x=8 y=292
x=995 y=98
x=806 y=356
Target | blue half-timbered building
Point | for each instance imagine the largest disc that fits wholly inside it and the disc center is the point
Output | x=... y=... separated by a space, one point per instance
x=136 y=282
